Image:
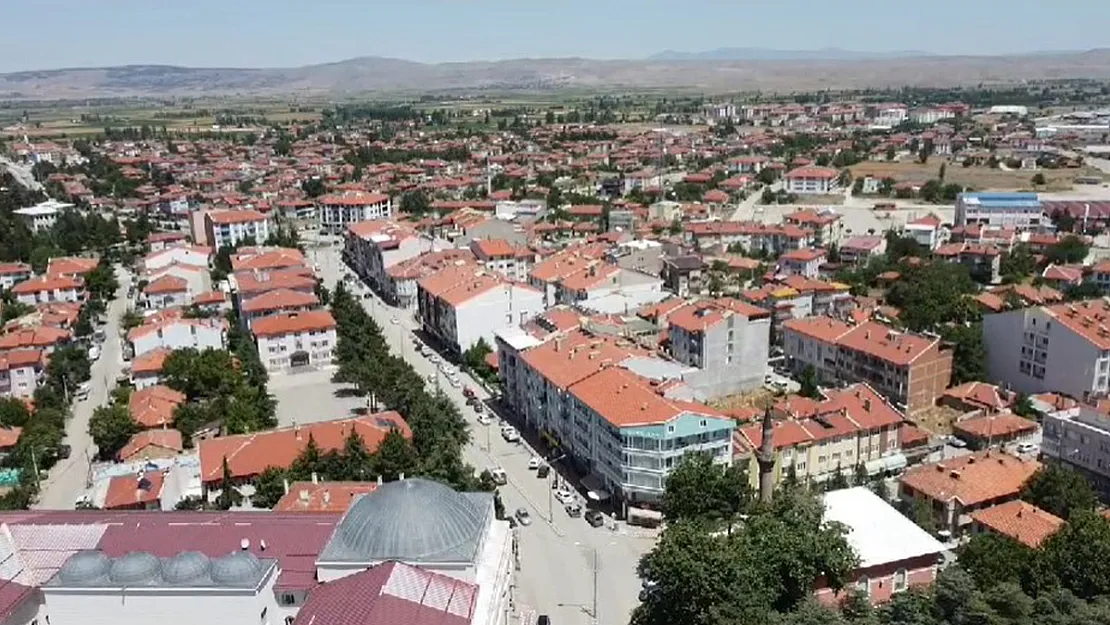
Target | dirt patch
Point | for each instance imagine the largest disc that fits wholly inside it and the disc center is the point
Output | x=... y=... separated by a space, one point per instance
x=976 y=178
x=938 y=419
x=757 y=399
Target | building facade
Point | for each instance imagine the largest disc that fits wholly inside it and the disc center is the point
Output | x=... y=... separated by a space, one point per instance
x=1022 y=211
x=233 y=227
x=295 y=339
x=338 y=211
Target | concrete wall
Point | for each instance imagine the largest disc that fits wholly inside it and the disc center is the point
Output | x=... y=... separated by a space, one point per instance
x=500 y=307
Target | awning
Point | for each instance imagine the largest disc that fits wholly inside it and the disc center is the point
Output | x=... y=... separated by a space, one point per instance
x=595 y=487
x=644 y=513
x=895 y=462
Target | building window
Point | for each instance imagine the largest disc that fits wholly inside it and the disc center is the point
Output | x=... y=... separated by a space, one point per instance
x=287 y=599
x=900 y=580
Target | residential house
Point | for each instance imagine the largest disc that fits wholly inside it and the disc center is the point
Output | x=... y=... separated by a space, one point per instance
x=12 y=273
x=146 y=368
x=338 y=211
x=860 y=250
x=811 y=180
x=175 y=332
x=165 y=292
x=499 y=255
x=373 y=247
x=682 y=275
x=153 y=407
x=20 y=372
x=1017 y=520
x=232 y=227
x=804 y=262
x=954 y=488
x=48 y=289
x=927 y=231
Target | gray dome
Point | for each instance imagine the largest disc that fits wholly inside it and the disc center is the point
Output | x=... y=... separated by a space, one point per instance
x=185 y=567
x=410 y=520
x=84 y=567
x=135 y=567
x=237 y=567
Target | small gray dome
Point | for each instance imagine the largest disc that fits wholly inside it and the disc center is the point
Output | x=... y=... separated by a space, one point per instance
x=134 y=568
x=84 y=567
x=185 y=567
x=237 y=567
x=410 y=520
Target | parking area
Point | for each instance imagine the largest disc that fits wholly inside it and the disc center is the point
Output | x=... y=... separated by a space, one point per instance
x=310 y=396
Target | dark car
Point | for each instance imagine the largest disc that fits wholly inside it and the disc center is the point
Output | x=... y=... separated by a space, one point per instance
x=543 y=620
x=543 y=470
x=595 y=518
x=64 y=451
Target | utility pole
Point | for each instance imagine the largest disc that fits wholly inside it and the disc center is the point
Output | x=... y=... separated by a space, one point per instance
x=593 y=612
x=35 y=466
x=550 y=506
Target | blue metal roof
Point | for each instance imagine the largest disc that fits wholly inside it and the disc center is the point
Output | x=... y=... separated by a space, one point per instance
x=1002 y=200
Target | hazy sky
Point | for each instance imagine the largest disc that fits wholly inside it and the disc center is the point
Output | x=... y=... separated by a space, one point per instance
x=41 y=34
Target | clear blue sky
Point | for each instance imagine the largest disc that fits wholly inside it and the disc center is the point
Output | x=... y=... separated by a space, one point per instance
x=41 y=34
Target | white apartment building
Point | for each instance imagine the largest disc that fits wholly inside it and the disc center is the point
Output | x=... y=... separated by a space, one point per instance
x=804 y=262
x=812 y=180
x=295 y=339
x=20 y=371
x=1080 y=438
x=46 y=289
x=338 y=211
x=1022 y=211
x=175 y=333
x=727 y=340
x=189 y=255
x=1064 y=348
x=373 y=247
x=232 y=227
x=927 y=231
x=462 y=304
x=500 y=256
x=42 y=216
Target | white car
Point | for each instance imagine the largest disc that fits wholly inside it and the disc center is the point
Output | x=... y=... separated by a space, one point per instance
x=394 y=321
x=534 y=463
x=454 y=380
x=510 y=434
x=484 y=419
x=1026 y=448
x=94 y=352
x=564 y=496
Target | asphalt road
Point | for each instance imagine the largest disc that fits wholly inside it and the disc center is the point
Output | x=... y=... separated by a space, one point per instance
x=68 y=479
x=557 y=553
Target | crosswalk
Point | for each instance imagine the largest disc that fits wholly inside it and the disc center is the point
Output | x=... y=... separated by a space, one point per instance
x=527 y=615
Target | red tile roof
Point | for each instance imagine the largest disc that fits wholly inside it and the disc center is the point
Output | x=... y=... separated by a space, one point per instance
x=280 y=299
x=293 y=323
x=47 y=283
x=153 y=406
x=332 y=497
x=168 y=439
x=235 y=216
x=1021 y=521
x=250 y=454
x=972 y=479
x=129 y=491
x=150 y=362
x=166 y=284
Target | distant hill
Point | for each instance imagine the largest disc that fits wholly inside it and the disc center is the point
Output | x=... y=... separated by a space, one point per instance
x=770 y=54
x=377 y=75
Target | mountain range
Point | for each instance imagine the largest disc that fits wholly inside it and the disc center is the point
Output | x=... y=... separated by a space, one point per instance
x=771 y=54
x=830 y=69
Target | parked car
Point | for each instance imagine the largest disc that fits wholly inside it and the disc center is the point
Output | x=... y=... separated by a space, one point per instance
x=595 y=518
x=94 y=352
x=82 y=391
x=468 y=393
x=958 y=443
x=484 y=419
x=498 y=475
x=534 y=463
x=1026 y=448
x=523 y=517
x=543 y=471
x=564 y=496
x=510 y=434
x=574 y=509
x=64 y=451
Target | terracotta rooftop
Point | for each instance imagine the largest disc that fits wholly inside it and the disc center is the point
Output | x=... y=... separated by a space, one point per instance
x=332 y=497
x=1002 y=425
x=130 y=491
x=293 y=323
x=625 y=399
x=153 y=406
x=235 y=216
x=168 y=439
x=280 y=299
x=1021 y=521
x=973 y=479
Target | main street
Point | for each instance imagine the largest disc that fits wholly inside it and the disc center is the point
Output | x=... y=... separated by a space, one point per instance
x=569 y=570
x=68 y=478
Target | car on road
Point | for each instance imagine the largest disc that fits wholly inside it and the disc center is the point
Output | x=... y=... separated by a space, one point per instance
x=564 y=496
x=523 y=517
x=94 y=352
x=497 y=474
x=956 y=442
x=510 y=434
x=543 y=471
x=1026 y=448
x=484 y=419
x=394 y=320
x=82 y=391
x=454 y=381
x=595 y=518
x=434 y=358
x=366 y=295
x=468 y=393
x=534 y=463
x=574 y=509
x=64 y=451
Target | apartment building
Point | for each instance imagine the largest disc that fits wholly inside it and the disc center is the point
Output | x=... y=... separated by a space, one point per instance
x=927 y=231
x=912 y=370
x=165 y=292
x=752 y=236
x=462 y=304
x=804 y=262
x=726 y=340
x=338 y=211
x=48 y=289
x=851 y=428
x=812 y=180
x=499 y=255
x=1022 y=211
x=402 y=277
x=233 y=227
x=250 y=284
x=196 y=279
x=860 y=250
x=276 y=302
x=590 y=285
x=13 y=273
x=628 y=437
x=295 y=339
x=983 y=261
x=20 y=372
x=547 y=274
x=825 y=224
x=267 y=259
x=955 y=488
x=1080 y=438
x=171 y=332
x=1063 y=348
x=373 y=247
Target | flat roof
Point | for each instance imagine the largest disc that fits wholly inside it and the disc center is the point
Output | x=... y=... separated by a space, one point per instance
x=1002 y=200
x=877 y=532
x=48 y=207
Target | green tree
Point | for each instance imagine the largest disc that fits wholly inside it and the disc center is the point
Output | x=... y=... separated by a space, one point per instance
x=808 y=382
x=131 y=319
x=1039 y=180
x=111 y=427
x=1069 y=250
x=69 y=366
x=969 y=361
x=700 y=490
x=229 y=495
x=1061 y=490
x=991 y=559
x=1079 y=555
x=394 y=457
x=13 y=412
x=1018 y=264
x=269 y=488
x=415 y=203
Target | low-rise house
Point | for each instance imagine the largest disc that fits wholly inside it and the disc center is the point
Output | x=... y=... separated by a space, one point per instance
x=151 y=445
x=955 y=488
x=70 y=266
x=295 y=339
x=327 y=497
x=153 y=406
x=862 y=249
x=895 y=554
x=47 y=289
x=682 y=275
x=175 y=332
x=134 y=492
x=499 y=255
x=20 y=372
x=812 y=180
x=977 y=396
x=146 y=368
x=248 y=455
x=189 y=255
x=13 y=273
x=983 y=261
x=42 y=338
x=1017 y=520
x=985 y=431
x=165 y=292
x=804 y=262
x=927 y=231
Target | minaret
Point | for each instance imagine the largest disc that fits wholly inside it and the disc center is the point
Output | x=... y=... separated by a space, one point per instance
x=766 y=459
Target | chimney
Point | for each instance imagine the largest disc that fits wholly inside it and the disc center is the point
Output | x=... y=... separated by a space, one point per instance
x=327 y=497
x=379 y=480
x=262 y=545
x=315 y=478
x=867 y=404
